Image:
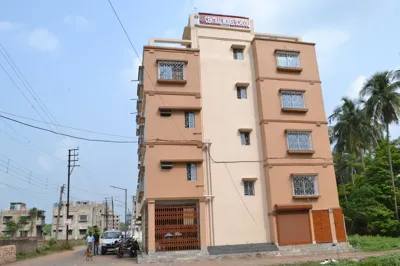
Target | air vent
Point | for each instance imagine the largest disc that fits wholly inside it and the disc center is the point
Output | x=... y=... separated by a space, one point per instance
x=165 y=112
x=166 y=166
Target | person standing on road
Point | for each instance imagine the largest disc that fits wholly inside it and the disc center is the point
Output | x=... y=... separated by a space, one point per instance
x=89 y=241
x=96 y=243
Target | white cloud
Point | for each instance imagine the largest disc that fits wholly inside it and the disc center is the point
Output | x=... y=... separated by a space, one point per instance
x=43 y=40
x=328 y=41
x=49 y=163
x=80 y=22
x=355 y=87
x=6 y=25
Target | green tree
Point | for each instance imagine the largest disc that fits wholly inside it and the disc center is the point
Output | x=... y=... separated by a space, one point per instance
x=33 y=213
x=353 y=133
x=47 y=229
x=122 y=226
x=12 y=228
x=383 y=105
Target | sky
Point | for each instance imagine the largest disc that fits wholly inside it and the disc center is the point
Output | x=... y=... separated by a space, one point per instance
x=79 y=66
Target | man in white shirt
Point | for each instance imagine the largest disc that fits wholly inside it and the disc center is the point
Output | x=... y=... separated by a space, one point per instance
x=89 y=241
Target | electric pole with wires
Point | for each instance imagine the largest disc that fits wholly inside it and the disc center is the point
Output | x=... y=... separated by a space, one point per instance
x=112 y=211
x=72 y=159
x=59 y=211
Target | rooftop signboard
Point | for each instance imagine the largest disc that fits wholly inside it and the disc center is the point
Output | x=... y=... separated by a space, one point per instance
x=224 y=20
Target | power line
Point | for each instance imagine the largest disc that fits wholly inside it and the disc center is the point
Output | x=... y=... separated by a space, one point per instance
x=66 y=135
x=28 y=86
x=74 y=128
x=19 y=89
x=18 y=189
x=141 y=61
x=31 y=142
x=19 y=178
x=44 y=108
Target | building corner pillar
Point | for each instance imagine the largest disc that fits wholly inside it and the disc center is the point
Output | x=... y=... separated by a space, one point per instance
x=203 y=233
x=151 y=226
x=333 y=228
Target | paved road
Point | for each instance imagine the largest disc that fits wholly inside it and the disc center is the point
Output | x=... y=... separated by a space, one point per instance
x=75 y=258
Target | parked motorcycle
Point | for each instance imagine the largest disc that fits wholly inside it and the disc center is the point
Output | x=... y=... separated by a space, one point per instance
x=133 y=248
x=129 y=246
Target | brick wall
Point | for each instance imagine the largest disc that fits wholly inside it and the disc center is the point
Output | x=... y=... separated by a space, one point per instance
x=8 y=254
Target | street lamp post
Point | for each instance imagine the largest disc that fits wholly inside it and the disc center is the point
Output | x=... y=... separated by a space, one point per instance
x=126 y=199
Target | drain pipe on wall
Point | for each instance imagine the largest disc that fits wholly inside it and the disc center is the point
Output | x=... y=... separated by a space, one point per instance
x=209 y=196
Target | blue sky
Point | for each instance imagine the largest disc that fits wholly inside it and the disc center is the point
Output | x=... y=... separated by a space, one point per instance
x=78 y=61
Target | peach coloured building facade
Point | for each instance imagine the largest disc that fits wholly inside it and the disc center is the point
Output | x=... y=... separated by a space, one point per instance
x=233 y=141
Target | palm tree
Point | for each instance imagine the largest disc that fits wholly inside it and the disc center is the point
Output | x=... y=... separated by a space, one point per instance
x=353 y=132
x=383 y=105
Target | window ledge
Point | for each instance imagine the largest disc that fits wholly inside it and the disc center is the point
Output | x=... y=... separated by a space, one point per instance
x=307 y=197
x=290 y=69
x=295 y=110
x=171 y=81
x=300 y=152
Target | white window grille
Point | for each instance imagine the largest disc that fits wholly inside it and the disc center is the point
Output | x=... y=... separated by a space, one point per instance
x=292 y=99
x=305 y=185
x=245 y=138
x=171 y=70
x=238 y=54
x=288 y=59
x=299 y=141
x=248 y=188
x=189 y=119
x=241 y=92
x=191 y=172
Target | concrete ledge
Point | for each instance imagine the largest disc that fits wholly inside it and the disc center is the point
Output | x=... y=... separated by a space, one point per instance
x=173 y=256
x=242 y=248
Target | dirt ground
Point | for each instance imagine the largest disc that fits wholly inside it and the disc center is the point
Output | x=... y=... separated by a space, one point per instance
x=77 y=258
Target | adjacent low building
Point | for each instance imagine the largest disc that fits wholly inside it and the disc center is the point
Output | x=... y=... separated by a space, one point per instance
x=82 y=215
x=30 y=221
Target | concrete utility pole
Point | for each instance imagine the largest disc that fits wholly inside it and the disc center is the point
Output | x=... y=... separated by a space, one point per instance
x=106 y=216
x=59 y=210
x=72 y=159
x=112 y=206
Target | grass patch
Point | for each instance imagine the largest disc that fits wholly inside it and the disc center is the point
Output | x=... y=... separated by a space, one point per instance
x=374 y=243
x=387 y=260
x=49 y=247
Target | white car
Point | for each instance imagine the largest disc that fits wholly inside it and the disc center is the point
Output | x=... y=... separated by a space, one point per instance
x=108 y=240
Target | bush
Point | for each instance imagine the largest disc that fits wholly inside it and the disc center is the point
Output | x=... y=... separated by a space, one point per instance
x=388 y=260
x=374 y=243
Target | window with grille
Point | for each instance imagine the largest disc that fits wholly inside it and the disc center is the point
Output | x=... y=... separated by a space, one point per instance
x=241 y=92
x=238 y=54
x=288 y=59
x=191 y=172
x=83 y=218
x=299 y=141
x=140 y=75
x=189 y=119
x=305 y=185
x=245 y=138
x=292 y=99
x=248 y=188
x=171 y=70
